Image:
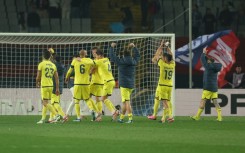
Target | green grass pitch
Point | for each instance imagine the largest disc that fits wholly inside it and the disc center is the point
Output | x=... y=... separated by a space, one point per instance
x=21 y=134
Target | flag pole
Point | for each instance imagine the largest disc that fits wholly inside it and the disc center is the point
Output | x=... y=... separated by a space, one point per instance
x=190 y=44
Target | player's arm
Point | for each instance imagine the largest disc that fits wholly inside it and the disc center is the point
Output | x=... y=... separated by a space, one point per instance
x=136 y=52
x=38 y=78
x=112 y=53
x=93 y=68
x=39 y=73
x=203 y=58
x=168 y=48
x=56 y=78
x=158 y=53
x=70 y=70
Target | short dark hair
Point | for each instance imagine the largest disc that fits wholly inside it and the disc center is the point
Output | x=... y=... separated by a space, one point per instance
x=100 y=52
x=57 y=58
x=168 y=56
x=46 y=54
x=95 y=48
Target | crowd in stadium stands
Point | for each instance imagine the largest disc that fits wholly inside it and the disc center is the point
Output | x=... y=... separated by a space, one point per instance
x=62 y=8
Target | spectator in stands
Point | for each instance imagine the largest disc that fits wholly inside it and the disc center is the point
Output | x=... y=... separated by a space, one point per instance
x=54 y=9
x=66 y=8
x=33 y=20
x=196 y=21
x=238 y=78
x=75 y=8
x=42 y=7
x=144 y=13
x=209 y=21
x=127 y=19
x=225 y=18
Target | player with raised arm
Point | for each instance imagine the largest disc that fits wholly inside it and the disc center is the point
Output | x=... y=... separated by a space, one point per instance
x=82 y=70
x=103 y=68
x=126 y=67
x=157 y=56
x=46 y=71
x=210 y=85
x=165 y=83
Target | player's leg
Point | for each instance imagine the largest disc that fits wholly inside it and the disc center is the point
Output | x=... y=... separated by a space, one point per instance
x=72 y=103
x=77 y=97
x=90 y=103
x=56 y=104
x=99 y=104
x=122 y=115
x=205 y=95
x=156 y=105
x=217 y=106
x=125 y=94
x=46 y=96
x=96 y=90
x=107 y=91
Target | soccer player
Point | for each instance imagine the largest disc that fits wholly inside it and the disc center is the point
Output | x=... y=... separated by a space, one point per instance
x=97 y=82
x=55 y=99
x=82 y=70
x=210 y=85
x=46 y=71
x=126 y=68
x=83 y=106
x=103 y=66
x=165 y=83
x=157 y=56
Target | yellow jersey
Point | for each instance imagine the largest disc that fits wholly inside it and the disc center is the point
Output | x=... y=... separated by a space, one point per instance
x=47 y=69
x=96 y=77
x=104 y=69
x=82 y=70
x=166 y=73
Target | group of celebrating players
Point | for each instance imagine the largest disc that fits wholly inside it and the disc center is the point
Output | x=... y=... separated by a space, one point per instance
x=87 y=78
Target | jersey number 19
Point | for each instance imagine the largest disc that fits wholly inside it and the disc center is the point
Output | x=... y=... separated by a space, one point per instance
x=168 y=74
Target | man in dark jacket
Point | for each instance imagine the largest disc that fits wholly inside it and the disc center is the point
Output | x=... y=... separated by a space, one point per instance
x=126 y=69
x=55 y=100
x=210 y=85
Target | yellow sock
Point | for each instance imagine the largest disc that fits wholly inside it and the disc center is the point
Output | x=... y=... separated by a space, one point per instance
x=156 y=106
x=122 y=116
x=77 y=108
x=170 y=106
x=95 y=108
x=59 y=109
x=51 y=116
x=99 y=106
x=110 y=106
x=130 y=116
x=199 y=112
x=164 y=114
x=91 y=105
x=219 y=112
x=44 y=112
x=51 y=109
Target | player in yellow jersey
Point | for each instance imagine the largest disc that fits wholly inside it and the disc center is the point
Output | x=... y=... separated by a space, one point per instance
x=104 y=70
x=156 y=57
x=44 y=79
x=165 y=83
x=82 y=70
x=97 y=83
